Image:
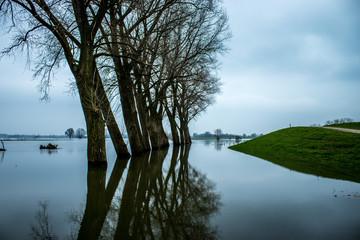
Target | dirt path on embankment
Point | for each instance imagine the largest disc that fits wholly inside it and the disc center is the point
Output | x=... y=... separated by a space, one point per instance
x=344 y=129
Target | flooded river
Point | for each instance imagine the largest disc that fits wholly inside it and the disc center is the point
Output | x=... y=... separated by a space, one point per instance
x=203 y=192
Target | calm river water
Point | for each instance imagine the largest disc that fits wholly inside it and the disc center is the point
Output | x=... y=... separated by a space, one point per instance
x=203 y=192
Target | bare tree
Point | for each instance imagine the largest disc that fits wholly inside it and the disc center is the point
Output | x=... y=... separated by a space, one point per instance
x=69 y=132
x=125 y=36
x=80 y=133
x=190 y=64
x=67 y=30
x=218 y=133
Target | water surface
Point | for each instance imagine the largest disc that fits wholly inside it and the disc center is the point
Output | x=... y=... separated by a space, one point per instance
x=205 y=192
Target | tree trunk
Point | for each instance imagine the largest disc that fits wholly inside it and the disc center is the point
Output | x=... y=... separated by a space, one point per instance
x=187 y=134
x=114 y=131
x=182 y=133
x=143 y=117
x=158 y=136
x=136 y=137
x=95 y=125
x=173 y=126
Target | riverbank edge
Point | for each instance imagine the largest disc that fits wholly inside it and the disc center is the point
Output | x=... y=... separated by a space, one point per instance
x=317 y=151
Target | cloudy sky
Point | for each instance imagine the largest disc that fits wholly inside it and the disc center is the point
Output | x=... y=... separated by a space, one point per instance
x=288 y=62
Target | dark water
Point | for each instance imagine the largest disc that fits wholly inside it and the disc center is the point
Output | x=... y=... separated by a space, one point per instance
x=205 y=192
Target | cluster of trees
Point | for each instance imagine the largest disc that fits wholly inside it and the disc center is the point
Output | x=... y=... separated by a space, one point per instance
x=218 y=134
x=80 y=133
x=339 y=121
x=335 y=121
x=157 y=58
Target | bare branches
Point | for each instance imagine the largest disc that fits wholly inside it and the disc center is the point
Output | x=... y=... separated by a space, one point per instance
x=19 y=42
x=159 y=55
x=44 y=70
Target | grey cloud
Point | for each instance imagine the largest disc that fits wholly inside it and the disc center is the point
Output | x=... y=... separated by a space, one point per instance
x=289 y=42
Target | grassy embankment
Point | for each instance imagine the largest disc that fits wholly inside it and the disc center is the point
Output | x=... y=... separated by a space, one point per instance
x=353 y=125
x=318 y=151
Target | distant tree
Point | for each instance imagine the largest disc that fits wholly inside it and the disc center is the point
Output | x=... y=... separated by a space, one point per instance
x=346 y=120
x=218 y=133
x=254 y=135
x=207 y=134
x=69 y=132
x=80 y=133
x=328 y=122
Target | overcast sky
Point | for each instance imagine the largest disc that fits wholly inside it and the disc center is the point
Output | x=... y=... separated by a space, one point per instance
x=288 y=62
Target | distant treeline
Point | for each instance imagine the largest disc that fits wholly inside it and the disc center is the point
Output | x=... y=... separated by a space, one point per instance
x=339 y=121
x=335 y=121
x=225 y=135
x=28 y=136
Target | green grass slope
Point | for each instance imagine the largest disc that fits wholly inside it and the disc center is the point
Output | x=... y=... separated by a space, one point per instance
x=318 y=151
x=353 y=125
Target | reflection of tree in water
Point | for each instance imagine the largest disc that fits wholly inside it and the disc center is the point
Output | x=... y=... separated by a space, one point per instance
x=218 y=145
x=48 y=151
x=166 y=205
x=43 y=229
x=157 y=202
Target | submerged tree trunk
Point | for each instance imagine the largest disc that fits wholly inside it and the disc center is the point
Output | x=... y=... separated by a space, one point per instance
x=174 y=128
x=175 y=134
x=143 y=116
x=95 y=125
x=113 y=128
x=158 y=137
x=136 y=138
x=150 y=114
x=138 y=143
x=187 y=134
x=182 y=133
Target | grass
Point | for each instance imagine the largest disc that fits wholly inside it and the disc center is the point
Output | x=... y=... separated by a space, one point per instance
x=353 y=125
x=317 y=151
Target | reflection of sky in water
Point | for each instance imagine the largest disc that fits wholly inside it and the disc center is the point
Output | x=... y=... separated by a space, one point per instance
x=260 y=200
